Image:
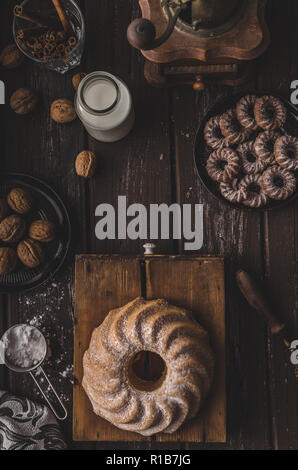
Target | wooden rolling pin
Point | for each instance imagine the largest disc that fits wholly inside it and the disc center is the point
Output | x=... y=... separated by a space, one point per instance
x=257 y=301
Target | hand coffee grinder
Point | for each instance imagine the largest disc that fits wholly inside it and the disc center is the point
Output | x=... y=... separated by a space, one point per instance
x=199 y=41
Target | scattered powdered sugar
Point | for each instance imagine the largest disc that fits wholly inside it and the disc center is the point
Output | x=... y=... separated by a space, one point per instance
x=67 y=372
x=51 y=311
x=37 y=320
x=24 y=345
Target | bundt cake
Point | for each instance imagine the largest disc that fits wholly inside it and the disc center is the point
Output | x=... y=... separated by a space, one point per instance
x=231 y=128
x=270 y=113
x=223 y=165
x=213 y=135
x=130 y=402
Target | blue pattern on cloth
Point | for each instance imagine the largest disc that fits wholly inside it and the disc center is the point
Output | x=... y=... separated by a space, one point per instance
x=25 y=425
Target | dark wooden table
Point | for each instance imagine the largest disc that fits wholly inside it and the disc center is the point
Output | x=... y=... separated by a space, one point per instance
x=155 y=164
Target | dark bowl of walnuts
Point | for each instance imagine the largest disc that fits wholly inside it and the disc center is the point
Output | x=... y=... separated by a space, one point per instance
x=246 y=151
x=34 y=232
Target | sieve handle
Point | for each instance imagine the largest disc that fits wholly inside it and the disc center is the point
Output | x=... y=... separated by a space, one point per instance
x=40 y=370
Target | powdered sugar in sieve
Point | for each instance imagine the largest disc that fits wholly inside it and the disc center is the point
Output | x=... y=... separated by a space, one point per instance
x=25 y=347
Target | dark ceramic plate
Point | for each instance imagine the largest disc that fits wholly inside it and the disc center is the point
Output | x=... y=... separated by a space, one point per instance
x=202 y=151
x=47 y=205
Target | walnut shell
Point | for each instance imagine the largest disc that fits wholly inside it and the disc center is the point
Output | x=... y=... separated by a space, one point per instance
x=12 y=229
x=77 y=78
x=31 y=253
x=42 y=230
x=4 y=209
x=11 y=57
x=86 y=164
x=63 y=111
x=8 y=260
x=20 y=200
x=23 y=101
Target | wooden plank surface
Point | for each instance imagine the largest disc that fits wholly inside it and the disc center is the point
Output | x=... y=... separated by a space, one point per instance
x=36 y=145
x=104 y=283
x=198 y=285
x=139 y=166
x=100 y=285
x=237 y=235
x=280 y=244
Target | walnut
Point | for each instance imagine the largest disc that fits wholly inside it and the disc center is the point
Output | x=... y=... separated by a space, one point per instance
x=77 y=78
x=23 y=101
x=63 y=111
x=4 y=209
x=42 y=230
x=20 y=200
x=31 y=253
x=11 y=57
x=12 y=229
x=8 y=260
x=86 y=164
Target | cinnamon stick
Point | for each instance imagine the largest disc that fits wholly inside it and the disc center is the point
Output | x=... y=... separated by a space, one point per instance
x=72 y=41
x=36 y=18
x=61 y=48
x=33 y=43
x=25 y=33
x=63 y=16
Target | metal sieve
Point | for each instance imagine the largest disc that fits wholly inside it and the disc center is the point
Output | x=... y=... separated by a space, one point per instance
x=36 y=371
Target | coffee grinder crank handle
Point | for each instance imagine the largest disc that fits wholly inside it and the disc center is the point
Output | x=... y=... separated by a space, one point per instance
x=257 y=301
x=141 y=33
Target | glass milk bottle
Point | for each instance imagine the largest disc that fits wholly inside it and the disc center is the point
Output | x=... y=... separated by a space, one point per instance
x=104 y=105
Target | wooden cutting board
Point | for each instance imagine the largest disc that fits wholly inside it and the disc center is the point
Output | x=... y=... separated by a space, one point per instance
x=105 y=282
